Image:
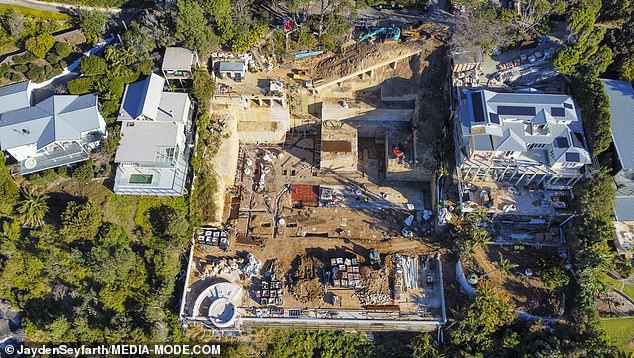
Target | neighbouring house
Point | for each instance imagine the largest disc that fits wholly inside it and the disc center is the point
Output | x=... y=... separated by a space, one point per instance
x=525 y=138
x=236 y=70
x=60 y=130
x=178 y=63
x=156 y=140
x=621 y=97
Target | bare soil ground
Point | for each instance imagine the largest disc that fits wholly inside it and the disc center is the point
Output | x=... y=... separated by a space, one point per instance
x=528 y=294
x=357 y=57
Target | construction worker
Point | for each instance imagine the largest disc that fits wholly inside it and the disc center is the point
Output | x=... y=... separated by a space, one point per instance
x=398 y=153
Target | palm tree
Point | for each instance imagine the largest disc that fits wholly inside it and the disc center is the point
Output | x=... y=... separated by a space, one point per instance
x=33 y=208
x=505 y=265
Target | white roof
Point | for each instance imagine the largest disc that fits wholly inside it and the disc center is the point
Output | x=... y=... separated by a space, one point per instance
x=140 y=139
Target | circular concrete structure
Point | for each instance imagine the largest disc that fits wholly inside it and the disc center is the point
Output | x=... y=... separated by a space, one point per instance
x=222 y=312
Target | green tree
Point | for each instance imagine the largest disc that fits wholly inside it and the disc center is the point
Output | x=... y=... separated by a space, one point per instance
x=9 y=191
x=84 y=172
x=92 y=23
x=487 y=314
x=202 y=88
x=63 y=49
x=221 y=12
x=425 y=347
x=93 y=66
x=191 y=27
x=39 y=45
x=13 y=22
x=553 y=271
x=33 y=208
x=140 y=40
x=81 y=85
x=472 y=234
x=80 y=221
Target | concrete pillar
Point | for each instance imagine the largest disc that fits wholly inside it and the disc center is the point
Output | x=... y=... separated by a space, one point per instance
x=520 y=179
x=542 y=179
x=477 y=172
x=468 y=171
x=393 y=64
x=553 y=179
x=260 y=103
x=576 y=181
x=570 y=181
x=503 y=172
x=531 y=179
x=371 y=73
x=514 y=173
x=487 y=171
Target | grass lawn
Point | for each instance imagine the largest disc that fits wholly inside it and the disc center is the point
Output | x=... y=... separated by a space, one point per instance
x=620 y=331
x=627 y=289
x=40 y=14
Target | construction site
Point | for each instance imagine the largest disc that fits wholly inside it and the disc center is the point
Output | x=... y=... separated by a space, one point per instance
x=326 y=192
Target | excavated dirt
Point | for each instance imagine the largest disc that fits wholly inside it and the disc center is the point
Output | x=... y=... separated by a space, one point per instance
x=303 y=279
x=527 y=293
x=309 y=291
x=358 y=57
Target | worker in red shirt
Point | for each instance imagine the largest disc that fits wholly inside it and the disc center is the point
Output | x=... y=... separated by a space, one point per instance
x=398 y=153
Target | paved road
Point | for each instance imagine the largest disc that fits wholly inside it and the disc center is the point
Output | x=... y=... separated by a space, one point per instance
x=125 y=14
x=56 y=7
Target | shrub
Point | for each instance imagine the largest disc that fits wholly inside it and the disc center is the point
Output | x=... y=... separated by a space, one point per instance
x=145 y=67
x=52 y=58
x=128 y=75
x=35 y=73
x=81 y=85
x=61 y=65
x=15 y=77
x=5 y=69
x=109 y=109
x=110 y=144
x=23 y=58
x=39 y=45
x=93 y=24
x=63 y=49
x=84 y=172
x=21 y=68
x=203 y=87
x=93 y=65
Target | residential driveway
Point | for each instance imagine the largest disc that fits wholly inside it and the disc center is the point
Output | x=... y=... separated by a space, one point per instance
x=437 y=14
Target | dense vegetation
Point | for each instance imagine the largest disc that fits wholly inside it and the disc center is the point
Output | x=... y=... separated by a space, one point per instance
x=18 y=24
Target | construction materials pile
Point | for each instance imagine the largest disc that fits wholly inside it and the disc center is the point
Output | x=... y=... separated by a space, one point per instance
x=219 y=266
x=410 y=271
x=344 y=273
x=251 y=267
x=376 y=288
x=270 y=292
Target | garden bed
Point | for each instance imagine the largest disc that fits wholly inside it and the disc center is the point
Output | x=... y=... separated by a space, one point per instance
x=527 y=292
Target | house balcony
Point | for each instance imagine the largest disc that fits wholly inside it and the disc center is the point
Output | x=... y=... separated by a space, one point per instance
x=69 y=153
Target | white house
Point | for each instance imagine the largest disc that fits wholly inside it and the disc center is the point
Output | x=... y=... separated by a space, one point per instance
x=522 y=137
x=57 y=131
x=156 y=140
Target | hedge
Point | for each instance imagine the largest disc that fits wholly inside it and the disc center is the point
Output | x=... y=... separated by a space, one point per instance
x=81 y=85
